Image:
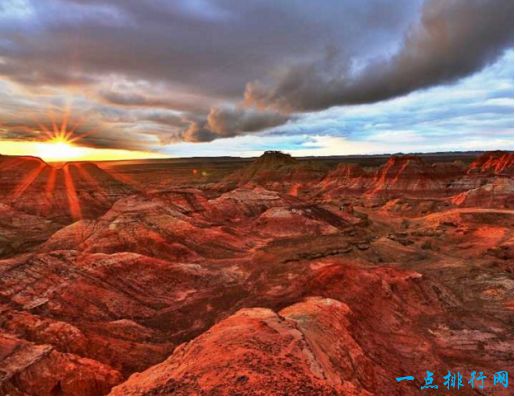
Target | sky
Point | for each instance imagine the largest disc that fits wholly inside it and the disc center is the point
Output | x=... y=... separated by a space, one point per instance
x=137 y=79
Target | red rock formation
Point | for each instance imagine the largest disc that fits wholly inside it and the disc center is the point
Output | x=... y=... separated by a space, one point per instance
x=276 y=171
x=255 y=351
x=496 y=194
x=406 y=175
x=243 y=203
x=294 y=222
x=347 y=171
x=168 y=225
x=74 y=191
x=449 y=171
x=496 y=163
x=308 y=348
x=20 y=232
x=255 y=291
x=30 y=369
x=487 y=184
x=345 y=180
x=410 y=177
x=121 y=306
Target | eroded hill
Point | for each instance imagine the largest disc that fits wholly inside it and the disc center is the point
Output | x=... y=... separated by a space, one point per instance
x=282 y=277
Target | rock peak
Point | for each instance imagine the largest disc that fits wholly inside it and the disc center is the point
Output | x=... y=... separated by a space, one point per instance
x=403 y=158
x=275 y=157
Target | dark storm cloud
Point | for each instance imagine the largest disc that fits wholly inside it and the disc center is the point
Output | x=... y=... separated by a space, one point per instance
x=196 y=132
x=234 y=121
x=209 y=46
x=453 y=39
x=226 y=122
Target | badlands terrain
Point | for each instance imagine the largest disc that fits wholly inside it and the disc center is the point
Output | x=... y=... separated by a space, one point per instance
x=272 y=275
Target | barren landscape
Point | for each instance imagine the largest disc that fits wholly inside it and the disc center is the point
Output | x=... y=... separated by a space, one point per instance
x=260 y=197
x=272 y=275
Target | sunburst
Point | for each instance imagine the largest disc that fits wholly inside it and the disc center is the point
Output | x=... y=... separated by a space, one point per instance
x=58 y=150
x=59 y=145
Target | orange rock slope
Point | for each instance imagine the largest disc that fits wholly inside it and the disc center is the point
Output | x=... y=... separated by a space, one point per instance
x=286 y=277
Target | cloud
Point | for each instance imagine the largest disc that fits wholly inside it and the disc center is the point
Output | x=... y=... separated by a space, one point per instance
x=211 y=49
x=195 y=132
x=144 y=94
x=226 y=122
x=452 y=40
x=129 y=99
x=158 y=72
x=232 y=121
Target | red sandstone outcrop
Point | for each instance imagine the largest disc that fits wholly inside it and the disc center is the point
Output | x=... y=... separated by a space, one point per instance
x=330 y=344
x=20 y=232
x=496 y=194
x=255 y=291
x=496 y=163
x=169 y=225
x=255 y=351
x=296 y=221
x=184 y=225
x=488 y=182
x=243 y=203
x=121 y=306
x=312 y=347
x=346 y=179
x=31 y=369
x=409 y=185
x=74 y=191
x=406 y=175
x=276 y=171
x=401 y=176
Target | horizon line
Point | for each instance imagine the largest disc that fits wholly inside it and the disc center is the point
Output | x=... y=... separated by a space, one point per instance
x=257 y=156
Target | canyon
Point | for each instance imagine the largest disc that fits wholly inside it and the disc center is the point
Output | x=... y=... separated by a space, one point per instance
x=265 y=276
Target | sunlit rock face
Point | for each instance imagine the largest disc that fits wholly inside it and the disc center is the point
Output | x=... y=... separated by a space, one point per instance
x=406 y=175
x=276 y=171
x=30 y=369
x=61 y=193
x=268 y=279
x=493 y=163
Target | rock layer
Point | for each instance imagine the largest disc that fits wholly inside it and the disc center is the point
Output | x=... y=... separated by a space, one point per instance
x=279 y=279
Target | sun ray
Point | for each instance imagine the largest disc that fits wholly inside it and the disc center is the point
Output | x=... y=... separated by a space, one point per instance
x=82 y=135
x=64 y=122
x=48 y=133
x=9 y=163
x=124 y=178
x=71 y=194
x=55 y=130
x=72 y=130
x=27 y=181
x=61 y=137
x=90 y=180
x=50 y=185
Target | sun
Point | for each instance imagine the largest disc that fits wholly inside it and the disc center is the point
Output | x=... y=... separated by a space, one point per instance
x=60 y=142
x=59 y=149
